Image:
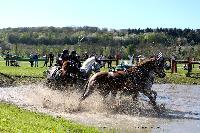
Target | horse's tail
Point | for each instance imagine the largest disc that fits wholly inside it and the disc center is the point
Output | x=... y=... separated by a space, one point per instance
x=87 y=90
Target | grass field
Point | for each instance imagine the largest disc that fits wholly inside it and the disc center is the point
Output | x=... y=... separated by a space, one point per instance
x=16 y=120
x=25 y=70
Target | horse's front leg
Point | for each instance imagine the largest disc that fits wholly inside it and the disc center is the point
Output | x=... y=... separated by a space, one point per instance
x=113 y=93
x=135 y=96
x=154 y=95
x=104 y=93
x=149 y=93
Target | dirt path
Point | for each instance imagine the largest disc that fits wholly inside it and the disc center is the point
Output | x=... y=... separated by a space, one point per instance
x=123 y=115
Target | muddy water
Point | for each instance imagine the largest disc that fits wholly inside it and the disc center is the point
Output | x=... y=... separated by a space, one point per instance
x=180 y=110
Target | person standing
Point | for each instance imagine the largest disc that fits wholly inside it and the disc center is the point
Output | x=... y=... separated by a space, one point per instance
x=31 y=60
x=51 y=58
x=46 y=60
x=59 y=60
x=35 y=58
x=109 y=61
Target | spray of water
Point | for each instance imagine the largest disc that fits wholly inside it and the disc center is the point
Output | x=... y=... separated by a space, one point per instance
x=121 y=112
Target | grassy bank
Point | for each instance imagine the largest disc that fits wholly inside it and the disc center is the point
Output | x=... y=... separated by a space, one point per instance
x=15 y=120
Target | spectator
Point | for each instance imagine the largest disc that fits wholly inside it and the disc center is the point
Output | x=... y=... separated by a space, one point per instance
x=103 y=62
x=117 y=57
x=35 y=58
x=7 y=59
x=31 y=60
x=109 y=62
x=46 y=60
x=51 y=57
x=59 y=60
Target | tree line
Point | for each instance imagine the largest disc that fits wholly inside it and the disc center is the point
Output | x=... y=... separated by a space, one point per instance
x=95 y=35
x=128 y=39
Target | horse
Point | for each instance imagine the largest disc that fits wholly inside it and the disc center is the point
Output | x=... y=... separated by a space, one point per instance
x=134 y=80
x=89 y=66
x=70 y=74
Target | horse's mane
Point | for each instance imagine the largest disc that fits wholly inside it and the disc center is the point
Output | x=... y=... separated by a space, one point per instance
x=86 y=64
x=141 y=64
x=147 y=60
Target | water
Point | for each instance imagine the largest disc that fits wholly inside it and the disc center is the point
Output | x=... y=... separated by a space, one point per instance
x=181 y=100
x=181 y=111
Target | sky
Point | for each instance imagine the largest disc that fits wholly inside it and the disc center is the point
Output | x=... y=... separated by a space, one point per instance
x=111 y=14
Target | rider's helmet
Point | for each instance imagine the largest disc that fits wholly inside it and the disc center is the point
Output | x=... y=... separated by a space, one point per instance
x=73 y=52
x=65 y=51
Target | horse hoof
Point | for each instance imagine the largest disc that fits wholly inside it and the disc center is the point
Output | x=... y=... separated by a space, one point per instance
x=162 y=107
x=153 y=103
x=159 y=108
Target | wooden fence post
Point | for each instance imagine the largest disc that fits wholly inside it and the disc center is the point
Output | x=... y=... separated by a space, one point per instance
x=189 y=66
x=173 y=66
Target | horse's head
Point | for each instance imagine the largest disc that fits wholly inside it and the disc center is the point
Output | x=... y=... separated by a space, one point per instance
x=96 y=67
x=90 y=65
x=153 y=66
x=159 y=66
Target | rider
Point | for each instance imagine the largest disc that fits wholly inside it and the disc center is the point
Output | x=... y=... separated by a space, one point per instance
x=65 y=55
x=74 y=58
x=62 y=61
x=76 y=64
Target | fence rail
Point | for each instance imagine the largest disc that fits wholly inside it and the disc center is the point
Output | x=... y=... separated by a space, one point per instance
x=23 y=59
x=188 y=63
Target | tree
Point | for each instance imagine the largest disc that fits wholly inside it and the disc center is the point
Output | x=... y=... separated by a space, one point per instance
x=13 y=38
x=131 y=48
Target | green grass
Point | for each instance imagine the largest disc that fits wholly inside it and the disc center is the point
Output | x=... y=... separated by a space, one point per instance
x=24 y=70
x=15 y=120
x=180 y=77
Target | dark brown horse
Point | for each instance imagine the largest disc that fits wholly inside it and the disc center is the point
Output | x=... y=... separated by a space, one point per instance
x=134 y=80
x=69 y=72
